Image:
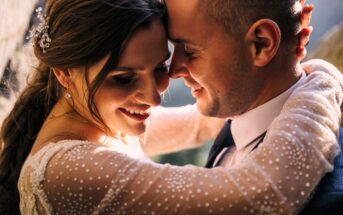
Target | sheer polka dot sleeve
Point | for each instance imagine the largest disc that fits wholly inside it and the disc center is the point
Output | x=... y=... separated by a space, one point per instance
x=178 y=128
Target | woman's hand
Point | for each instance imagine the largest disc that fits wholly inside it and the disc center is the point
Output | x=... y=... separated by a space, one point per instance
x=306 y=30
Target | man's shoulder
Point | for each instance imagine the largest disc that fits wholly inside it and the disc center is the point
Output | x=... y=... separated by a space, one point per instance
x=328 y=198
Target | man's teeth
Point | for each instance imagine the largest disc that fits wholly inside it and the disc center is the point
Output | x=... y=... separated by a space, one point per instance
x=136 y=112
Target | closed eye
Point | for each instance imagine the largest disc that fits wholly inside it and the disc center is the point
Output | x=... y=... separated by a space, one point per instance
x=123 y=79
x=188 y=51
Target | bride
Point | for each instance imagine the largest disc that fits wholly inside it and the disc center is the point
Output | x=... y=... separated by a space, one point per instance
x=72 y=140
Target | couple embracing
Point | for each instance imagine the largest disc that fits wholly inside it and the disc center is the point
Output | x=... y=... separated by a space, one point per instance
x=77 y=139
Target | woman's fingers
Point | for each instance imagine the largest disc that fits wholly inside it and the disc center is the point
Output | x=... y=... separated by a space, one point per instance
x=305 y=31
x=303 y=40
x=306 y=14
x=302 y=2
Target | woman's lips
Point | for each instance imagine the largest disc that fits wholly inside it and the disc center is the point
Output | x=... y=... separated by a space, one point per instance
x=136 y=115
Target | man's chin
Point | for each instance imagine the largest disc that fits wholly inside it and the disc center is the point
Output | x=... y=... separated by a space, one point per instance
x=212 y=109
x=207 y=109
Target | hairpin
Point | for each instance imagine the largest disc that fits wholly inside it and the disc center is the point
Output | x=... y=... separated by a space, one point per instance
x=40 y=32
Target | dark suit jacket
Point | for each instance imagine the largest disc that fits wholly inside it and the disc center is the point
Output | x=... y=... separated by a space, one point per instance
x=328 y=199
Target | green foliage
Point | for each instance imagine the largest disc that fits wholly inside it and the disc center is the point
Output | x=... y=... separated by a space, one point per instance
x=193 y=156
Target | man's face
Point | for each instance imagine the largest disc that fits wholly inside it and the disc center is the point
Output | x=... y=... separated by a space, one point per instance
x=215 y=66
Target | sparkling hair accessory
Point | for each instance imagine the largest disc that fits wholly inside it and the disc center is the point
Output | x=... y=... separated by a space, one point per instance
x=40 y=33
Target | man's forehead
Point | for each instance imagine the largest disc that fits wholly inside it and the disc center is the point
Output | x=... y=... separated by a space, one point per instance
x=183 y=21
x=185 y=4
x=182 y=11
x=185 y=37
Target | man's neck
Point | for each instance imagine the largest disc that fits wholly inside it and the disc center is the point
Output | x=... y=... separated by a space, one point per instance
x=250 y=125
x=277 y=82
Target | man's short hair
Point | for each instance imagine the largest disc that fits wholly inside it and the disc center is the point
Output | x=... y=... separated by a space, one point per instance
x=236 y=16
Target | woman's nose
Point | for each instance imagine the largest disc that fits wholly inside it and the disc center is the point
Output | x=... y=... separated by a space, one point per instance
x=149 y=93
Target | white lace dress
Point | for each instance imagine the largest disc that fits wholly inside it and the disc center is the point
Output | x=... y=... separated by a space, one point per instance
x=80 y=177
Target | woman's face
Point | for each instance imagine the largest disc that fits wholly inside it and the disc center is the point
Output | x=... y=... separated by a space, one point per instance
x=125 y=97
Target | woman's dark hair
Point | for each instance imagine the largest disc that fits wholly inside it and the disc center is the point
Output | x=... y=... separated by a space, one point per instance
x=82 y=32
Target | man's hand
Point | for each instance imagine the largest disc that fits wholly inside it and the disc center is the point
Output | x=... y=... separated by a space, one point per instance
x=305 y=32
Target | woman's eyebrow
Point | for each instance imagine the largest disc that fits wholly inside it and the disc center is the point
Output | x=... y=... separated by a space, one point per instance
x=123 y=69
x=119 y=69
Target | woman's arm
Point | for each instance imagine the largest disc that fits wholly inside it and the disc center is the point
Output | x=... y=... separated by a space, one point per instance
x=178 y=128
x=276 y=179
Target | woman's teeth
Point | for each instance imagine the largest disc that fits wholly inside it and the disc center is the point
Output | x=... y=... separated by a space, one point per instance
x=139 y=115
x=137 y=111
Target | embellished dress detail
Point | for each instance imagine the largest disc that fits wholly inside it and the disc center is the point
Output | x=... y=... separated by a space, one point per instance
x=81 y=177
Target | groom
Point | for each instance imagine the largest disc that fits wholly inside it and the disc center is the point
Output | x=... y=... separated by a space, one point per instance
x=238 y=58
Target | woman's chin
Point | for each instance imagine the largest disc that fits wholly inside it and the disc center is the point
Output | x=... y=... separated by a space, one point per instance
x=136 y=130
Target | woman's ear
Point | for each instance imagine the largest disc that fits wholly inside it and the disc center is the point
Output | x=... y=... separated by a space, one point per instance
x=263 y=38
x=63 y=77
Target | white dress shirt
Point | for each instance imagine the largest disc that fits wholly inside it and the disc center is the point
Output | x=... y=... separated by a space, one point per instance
x=248 y=128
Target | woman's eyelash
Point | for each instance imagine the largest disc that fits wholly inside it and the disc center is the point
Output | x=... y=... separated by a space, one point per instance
x=163 y=68
x=128 y=79
x=123 y=79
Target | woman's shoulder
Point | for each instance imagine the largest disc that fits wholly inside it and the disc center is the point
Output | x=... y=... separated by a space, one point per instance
x=45 y=153
x=39 y=168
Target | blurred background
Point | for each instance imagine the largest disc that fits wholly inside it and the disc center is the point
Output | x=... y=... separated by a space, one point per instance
x=17 y=15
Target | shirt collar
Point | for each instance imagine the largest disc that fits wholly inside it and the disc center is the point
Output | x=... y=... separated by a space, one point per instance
x=246 y=127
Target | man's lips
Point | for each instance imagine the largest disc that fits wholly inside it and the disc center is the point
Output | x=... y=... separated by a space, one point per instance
x=195 y=88
x=139 y=115
x=196 y=91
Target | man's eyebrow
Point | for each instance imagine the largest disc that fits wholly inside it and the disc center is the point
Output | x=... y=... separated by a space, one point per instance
x=178 y=39
x=181 y=40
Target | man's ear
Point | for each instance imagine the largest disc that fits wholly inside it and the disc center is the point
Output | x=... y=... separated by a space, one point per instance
x=264 y=38
x=63 y=77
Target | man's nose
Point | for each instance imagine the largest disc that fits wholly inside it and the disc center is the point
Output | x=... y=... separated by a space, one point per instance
x=178 y=68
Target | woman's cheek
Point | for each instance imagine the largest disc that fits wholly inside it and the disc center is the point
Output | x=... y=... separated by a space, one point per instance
x=110 y=98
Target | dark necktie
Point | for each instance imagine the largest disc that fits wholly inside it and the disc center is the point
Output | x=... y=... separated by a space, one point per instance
x=223 y=140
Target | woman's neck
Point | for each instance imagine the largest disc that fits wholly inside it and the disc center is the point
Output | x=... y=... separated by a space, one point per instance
x=63 y=121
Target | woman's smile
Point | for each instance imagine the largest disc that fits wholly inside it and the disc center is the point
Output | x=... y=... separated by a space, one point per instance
x=139 y=115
